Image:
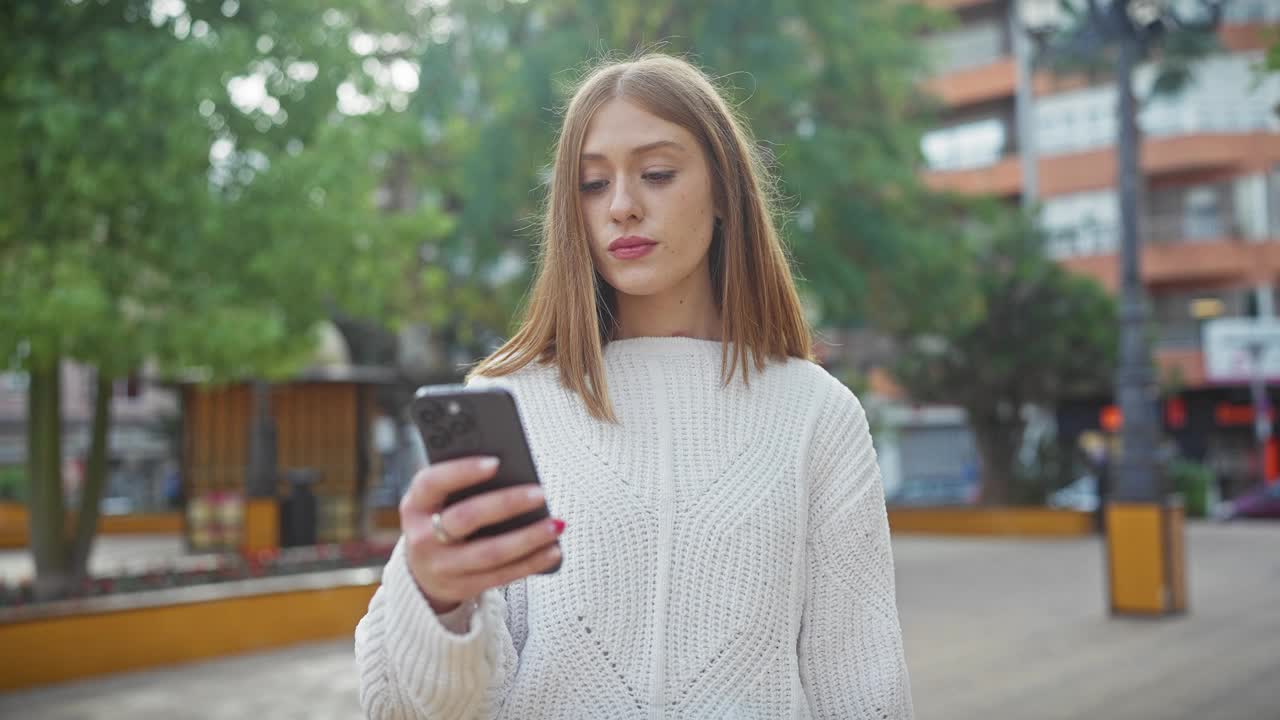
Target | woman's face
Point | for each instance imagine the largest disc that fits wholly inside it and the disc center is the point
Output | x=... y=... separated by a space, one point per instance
x=646 y=197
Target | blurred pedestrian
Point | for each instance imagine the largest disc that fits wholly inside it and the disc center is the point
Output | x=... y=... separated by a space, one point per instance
x=1094 y=448
x=727 y=547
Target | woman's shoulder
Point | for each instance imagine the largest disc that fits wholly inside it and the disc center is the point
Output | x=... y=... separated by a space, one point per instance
x=527 y=379
x=810 y=376
x=832 y=404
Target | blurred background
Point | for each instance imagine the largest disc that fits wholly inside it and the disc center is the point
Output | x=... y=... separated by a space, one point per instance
x=235 y=236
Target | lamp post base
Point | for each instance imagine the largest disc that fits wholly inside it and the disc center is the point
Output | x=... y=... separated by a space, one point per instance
x=1146 y=559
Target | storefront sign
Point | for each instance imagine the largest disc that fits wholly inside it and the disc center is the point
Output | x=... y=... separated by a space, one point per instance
x=1234 y=348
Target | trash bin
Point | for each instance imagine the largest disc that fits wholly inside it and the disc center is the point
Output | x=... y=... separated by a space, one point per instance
x=299 y=512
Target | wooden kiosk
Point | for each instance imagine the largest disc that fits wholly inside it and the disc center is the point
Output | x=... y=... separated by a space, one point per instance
x=322 y=423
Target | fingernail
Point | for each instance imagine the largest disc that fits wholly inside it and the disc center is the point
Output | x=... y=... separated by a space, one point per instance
x=558 y=525
x=487 y=464
x=535 y=493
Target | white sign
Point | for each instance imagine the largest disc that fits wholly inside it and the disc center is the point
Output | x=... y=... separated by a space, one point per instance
x=1230 y=347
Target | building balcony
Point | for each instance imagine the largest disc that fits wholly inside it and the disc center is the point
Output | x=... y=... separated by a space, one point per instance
x=965 y=83
x=1207 y=263
x=1209 y=152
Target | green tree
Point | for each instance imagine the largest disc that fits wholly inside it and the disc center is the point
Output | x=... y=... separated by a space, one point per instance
x=1002 y=327
x=191 y=184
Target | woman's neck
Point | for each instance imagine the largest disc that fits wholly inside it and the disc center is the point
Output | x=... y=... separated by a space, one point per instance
x=687 y=310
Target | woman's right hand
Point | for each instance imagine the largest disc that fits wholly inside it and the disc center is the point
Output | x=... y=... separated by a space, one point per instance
x=451 y=573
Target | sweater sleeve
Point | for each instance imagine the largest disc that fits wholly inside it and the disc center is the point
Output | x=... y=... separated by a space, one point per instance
x=851 y=656
x=412 y=666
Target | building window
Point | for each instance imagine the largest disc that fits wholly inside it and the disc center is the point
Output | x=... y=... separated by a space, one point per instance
x=1081 y=224
x=1205 y=212
x=1201 y=214
x=1225 y=94
x=969 y=145
x=1239 y=12
x=971 y=45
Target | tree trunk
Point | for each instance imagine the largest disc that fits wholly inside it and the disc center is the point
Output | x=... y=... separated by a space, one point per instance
x=998 y=444
x=263 y=470
x=94 y=478
x=47 y=539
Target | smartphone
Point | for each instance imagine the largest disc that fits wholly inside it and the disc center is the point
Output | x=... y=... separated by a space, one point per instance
x=454 y=421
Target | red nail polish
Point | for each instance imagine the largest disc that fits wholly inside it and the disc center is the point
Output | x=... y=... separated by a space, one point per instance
x=559 y=525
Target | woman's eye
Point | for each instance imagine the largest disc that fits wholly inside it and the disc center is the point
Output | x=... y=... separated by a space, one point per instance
x=659 y=177
x=594 y=186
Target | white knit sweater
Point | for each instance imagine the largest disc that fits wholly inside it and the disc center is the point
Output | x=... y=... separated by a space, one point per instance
x=726 y=556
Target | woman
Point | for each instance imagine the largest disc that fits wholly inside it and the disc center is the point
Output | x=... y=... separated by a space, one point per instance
x=725 y=543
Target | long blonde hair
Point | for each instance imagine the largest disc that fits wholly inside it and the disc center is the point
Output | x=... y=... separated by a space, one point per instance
x=569 y=317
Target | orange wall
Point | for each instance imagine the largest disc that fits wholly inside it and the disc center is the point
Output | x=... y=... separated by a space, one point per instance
x=994 y=81
x=15 y=524
x=1228 y=262
x=60 y=649
x=1028 y=521
x=974 y=85
x=1187 y=364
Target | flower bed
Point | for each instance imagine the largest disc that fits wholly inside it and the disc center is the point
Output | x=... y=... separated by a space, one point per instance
x=211 y=569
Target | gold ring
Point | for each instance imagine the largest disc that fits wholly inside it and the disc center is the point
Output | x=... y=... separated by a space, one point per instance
x=437 y=527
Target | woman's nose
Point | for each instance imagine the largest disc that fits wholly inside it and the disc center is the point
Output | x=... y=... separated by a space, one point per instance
x=623 y=206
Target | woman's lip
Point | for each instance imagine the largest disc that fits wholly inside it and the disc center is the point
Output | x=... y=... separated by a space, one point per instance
x=630 y=241
x=629 y=252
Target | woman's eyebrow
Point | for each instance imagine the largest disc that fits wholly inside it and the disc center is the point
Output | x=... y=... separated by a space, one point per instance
x=655 y=145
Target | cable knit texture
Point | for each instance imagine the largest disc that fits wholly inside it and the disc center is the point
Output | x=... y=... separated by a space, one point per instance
x=726 y=556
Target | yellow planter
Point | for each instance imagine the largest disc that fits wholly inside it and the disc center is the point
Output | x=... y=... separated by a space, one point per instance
x=57 y=649
x=15 y=524
x=1026 y=521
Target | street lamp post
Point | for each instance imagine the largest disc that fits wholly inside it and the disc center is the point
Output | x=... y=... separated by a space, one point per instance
x=1138 y=498
x=1126 y=25
x=1136 y=387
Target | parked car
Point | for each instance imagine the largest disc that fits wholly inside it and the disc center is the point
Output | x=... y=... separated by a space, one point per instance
x=1081 y=494
x=936 y=491
x=1263 y=501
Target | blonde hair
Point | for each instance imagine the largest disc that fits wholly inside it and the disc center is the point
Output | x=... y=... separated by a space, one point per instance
x=569 y=317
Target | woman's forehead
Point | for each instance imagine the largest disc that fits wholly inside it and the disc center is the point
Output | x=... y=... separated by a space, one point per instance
x=621 y=128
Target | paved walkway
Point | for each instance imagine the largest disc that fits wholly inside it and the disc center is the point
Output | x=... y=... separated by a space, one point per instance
x=995 y=630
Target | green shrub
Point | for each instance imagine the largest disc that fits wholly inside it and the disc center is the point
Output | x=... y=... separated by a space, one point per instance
x=1192 y=480
x=13 y=483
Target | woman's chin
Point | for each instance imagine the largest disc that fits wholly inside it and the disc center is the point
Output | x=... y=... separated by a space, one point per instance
x=633 y=286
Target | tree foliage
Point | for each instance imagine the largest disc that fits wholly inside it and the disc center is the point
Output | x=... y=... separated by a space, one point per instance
x=184 y=185
x=1003 y=328
x=1171 y=35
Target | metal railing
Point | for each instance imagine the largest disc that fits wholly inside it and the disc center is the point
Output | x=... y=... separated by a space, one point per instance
x=967 y=47
x=1101 y=238
x=971 y=145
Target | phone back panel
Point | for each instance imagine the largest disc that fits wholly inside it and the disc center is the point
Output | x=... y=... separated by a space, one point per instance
x=455 y=422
